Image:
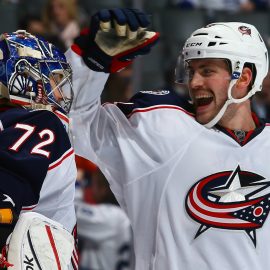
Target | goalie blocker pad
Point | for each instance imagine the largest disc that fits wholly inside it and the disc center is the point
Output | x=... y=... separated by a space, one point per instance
x=38 y=242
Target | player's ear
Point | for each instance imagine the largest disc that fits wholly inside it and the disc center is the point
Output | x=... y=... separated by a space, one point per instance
x=245 y=79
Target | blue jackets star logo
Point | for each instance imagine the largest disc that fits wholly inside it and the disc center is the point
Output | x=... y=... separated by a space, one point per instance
x=233 y=200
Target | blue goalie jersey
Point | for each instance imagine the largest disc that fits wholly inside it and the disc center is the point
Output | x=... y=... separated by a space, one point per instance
x=37 y=164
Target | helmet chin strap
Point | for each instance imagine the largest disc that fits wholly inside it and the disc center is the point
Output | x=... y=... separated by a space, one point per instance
x=229 y=101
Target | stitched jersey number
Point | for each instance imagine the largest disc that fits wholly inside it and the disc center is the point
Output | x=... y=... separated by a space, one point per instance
x=46 y=134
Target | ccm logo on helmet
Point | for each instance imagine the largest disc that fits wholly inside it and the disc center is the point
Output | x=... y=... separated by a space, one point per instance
x=193 y=44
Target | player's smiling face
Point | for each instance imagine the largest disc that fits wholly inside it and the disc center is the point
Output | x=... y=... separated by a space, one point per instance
x=208 y=85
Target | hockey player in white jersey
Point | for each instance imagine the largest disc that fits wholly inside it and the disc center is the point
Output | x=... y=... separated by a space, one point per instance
x=37 y=164
x=195 y=184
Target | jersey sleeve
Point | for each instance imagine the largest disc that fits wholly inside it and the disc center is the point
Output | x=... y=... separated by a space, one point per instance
x=126 y=140
x=31 y=143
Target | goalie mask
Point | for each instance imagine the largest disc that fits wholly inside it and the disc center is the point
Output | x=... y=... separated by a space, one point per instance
x=240 y=44
x=34 y=73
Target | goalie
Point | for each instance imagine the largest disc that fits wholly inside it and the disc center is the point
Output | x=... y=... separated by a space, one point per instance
x=37 y=165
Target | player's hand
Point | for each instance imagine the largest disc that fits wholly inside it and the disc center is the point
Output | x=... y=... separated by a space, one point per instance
x=115 y=38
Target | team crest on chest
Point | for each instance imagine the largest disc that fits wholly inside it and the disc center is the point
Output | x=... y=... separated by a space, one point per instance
x=232 y=200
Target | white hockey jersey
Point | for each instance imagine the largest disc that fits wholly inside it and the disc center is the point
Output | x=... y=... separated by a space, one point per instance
x=105 y=235
x=196 y=198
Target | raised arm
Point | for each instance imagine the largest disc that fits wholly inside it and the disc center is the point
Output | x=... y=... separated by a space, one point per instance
x=114 y=39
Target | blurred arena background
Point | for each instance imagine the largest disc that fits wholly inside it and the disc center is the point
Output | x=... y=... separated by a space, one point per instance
x=174 y=19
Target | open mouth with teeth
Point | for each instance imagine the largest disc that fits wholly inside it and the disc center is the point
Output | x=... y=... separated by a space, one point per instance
x=203 y=100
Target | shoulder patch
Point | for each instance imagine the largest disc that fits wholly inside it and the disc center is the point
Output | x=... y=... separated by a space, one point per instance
x=156 y=92
x=145 y=99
